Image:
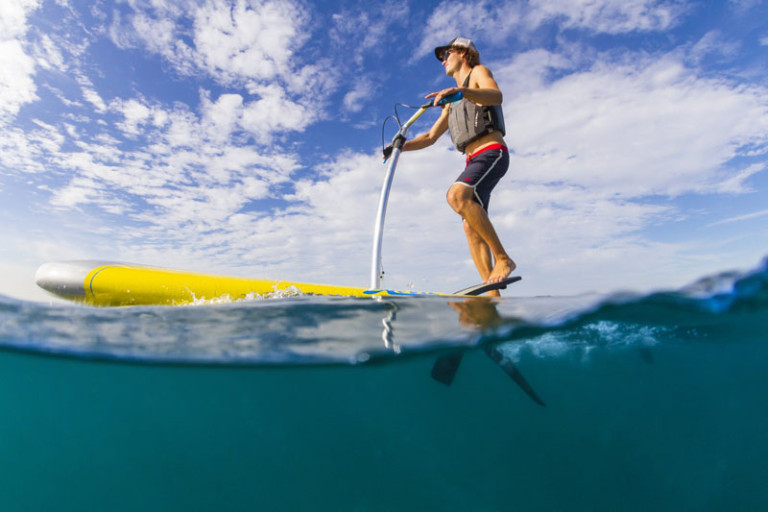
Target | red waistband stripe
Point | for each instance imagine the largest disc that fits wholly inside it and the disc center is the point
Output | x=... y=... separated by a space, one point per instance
x=487 y=148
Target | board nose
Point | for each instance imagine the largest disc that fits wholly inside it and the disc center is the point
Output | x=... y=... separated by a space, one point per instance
x=63 y=278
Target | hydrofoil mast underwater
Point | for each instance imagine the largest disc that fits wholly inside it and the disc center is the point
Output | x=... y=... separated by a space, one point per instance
x=100 y=283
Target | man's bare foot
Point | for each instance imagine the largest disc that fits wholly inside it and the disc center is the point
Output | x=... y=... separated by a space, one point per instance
x=501 y=270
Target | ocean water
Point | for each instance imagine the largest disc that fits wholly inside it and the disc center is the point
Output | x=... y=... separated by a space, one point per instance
x=622 y=402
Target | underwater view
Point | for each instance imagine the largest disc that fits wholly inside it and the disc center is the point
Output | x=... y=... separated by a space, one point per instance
x=621 y=402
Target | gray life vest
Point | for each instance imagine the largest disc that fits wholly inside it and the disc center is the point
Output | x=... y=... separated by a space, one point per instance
x=468 y=122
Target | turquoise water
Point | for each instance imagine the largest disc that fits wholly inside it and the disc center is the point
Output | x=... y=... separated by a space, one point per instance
x=653 y=402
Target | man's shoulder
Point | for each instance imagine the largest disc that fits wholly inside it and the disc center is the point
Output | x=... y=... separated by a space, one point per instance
x=481 y=70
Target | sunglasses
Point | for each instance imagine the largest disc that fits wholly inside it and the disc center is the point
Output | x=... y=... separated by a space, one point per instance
x=446 y=53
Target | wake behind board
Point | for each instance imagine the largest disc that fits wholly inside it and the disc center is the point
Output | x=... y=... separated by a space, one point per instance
x=117 y=284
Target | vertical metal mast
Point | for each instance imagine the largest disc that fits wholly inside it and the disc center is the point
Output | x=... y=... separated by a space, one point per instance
x=377 y=270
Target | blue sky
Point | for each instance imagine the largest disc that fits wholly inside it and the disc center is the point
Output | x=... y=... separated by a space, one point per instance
x=243 y=137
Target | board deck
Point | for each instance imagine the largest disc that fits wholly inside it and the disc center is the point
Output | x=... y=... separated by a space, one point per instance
x=486 y=287
x=117 y=284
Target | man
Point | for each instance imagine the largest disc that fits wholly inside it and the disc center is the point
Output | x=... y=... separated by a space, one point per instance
x=476 y=125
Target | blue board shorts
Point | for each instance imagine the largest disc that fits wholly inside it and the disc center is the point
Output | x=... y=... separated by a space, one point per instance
x=484 y=170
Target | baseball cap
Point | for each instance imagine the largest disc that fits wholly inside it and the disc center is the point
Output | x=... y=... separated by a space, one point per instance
x=458 y=42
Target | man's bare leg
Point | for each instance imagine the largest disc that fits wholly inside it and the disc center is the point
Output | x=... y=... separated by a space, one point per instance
x=461 y=199
x=481 y=255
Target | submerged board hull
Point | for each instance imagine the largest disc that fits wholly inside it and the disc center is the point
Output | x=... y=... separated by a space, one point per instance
x=117 y=284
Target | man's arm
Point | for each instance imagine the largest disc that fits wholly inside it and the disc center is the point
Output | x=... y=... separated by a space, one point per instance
x=427 y=139
x=483 y=89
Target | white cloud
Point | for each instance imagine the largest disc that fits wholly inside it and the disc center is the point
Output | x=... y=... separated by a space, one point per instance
x=713 y=43
x=479 y=20
x=494 y=22
x=17 y=87
x=160 y=35
x=236 y=43
x=370 y=29
x=135 y=114
x=273 y=113
x=530 y=71
x=48 y=55
x=246 y=43
x=17 y=69
x=172 y=171
x=735 y=182
x=740 y=218
x=639 y=129
x=608 y=16
x=742 y=6
x=90 y=94
x=357 y=38
x=362 y=90
x=253 y=40
x=13 y=17
x=223 y=116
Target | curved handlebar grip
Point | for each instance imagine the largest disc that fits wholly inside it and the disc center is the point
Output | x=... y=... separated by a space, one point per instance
x=450 y=99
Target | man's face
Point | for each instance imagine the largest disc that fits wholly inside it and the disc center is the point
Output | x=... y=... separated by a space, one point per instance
x=451 y=61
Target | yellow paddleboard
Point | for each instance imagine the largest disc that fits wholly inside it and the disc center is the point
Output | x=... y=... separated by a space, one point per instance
x=116 y=284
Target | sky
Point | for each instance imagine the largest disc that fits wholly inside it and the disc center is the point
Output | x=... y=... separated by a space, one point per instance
x=244 y=137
